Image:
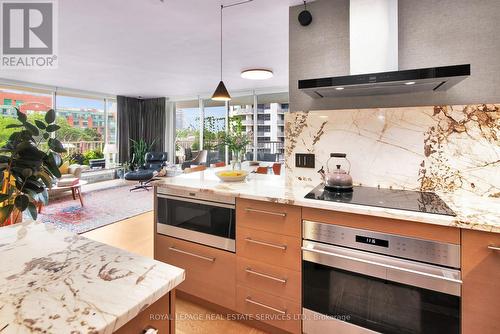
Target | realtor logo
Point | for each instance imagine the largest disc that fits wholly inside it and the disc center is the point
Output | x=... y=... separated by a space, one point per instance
x=29 y=34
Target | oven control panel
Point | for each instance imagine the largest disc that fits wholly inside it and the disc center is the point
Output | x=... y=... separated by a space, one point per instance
x=427 y=251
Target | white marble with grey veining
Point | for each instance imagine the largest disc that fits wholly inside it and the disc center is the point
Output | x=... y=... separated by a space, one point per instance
x=53 y=281
x=433 y=148
x=473 y=212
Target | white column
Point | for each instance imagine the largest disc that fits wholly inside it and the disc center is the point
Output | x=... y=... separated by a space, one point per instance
x=226 y=153
x=202 y=120
x=170 y=127
x=255 y=126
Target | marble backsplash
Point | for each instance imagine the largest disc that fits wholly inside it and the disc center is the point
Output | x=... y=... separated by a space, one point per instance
x=435 y=148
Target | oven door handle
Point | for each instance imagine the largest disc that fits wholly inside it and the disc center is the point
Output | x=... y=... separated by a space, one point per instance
x=197 y=201
x=378 y=264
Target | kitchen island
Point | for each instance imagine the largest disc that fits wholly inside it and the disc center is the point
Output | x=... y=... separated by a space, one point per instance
x=52 y=281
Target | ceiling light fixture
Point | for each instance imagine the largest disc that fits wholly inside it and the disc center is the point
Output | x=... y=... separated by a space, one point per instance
x=257 y=74
x=221 y=93
x=410 y=83
x=339 y=88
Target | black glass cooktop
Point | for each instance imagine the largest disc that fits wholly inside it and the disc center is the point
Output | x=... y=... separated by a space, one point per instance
x=427 y=202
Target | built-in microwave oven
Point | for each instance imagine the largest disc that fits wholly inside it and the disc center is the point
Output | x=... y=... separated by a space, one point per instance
x=195 y=216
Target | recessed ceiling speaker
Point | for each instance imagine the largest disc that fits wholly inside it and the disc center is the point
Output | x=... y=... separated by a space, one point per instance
x=305 y=17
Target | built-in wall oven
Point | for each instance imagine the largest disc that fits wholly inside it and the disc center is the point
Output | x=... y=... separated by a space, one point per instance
x=204 y=218
x=358 y=281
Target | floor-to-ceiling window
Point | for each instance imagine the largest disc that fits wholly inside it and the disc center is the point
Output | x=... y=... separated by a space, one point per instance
x=241 y=109
x=33 y=103
x=214 y=124
x=187 y=130
x=271 y=109
x=265 y=126
x=111 y=121
x=82 y=121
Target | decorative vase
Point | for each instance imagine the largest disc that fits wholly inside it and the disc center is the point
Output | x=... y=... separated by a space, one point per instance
x=236 y=162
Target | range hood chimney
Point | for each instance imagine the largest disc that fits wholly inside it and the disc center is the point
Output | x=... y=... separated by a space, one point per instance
x=373 y=26
x=373 y=39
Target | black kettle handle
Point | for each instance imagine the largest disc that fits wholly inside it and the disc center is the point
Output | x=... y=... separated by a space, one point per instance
x=338 y=155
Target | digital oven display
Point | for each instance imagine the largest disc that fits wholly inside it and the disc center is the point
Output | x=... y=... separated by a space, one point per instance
x=372 y=241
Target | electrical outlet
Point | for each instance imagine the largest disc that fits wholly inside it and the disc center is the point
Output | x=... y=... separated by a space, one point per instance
x=304 y=160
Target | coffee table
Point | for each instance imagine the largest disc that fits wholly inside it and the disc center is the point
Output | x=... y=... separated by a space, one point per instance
x=76 y=191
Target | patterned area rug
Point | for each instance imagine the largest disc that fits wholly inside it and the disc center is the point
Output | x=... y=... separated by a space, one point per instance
x=101 y=207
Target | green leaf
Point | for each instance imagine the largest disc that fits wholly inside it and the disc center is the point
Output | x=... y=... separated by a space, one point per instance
x=52 y=128
x=3 y=197
x=41 y=125
x=21 y=116
x=32 y=129
x=21 y=202
x=46 y=179
x=56 y=146
x=5 y=213
x=12 y=126
x=50 y=162
x=50 y=116
x=46 y=135
x=32 y=211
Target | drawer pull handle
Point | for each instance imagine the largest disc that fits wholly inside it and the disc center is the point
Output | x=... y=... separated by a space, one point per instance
x=263 y=243
x=493 y=247
x=251 y=301
x=150 y=330
x=206 y=258
x=277 y=279
x=281 y=214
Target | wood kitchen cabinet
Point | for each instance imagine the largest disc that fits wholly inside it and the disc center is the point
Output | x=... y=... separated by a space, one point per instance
x=158 y=318
x=268 y=271
x=210 y=272
x=481 y=282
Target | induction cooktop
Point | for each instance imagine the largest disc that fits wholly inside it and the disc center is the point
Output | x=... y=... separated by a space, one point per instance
x=420 y=201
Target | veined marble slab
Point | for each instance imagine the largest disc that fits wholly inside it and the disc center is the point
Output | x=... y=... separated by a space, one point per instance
x=435 y=148
x=52 y=281
x=473 y=212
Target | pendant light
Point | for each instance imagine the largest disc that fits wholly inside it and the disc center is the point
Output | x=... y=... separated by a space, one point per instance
x=221 y=93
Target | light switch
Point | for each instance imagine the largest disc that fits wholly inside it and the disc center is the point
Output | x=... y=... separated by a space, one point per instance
x=304 y=160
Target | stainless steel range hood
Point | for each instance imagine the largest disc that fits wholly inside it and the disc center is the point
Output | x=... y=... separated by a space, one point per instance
x=394 y=82
x=373 y=29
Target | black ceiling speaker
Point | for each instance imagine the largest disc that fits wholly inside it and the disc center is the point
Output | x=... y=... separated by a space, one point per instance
x=305 y=17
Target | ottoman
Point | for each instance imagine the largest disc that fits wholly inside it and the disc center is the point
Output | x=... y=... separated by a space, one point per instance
x=143 y=176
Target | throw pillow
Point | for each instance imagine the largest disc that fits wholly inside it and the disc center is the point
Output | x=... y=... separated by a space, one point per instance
x=64 y=168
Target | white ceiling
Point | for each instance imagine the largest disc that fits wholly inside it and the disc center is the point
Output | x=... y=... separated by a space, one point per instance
x=171 y=48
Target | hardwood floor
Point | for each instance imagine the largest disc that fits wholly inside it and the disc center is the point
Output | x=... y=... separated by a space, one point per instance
x=136 y=235
x=133 y=234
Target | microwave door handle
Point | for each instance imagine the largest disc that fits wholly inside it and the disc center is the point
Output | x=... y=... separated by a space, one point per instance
x=197 y=201
x=387 y=266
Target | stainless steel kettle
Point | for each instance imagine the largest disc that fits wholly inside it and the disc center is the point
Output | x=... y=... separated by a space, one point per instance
x=337 y=179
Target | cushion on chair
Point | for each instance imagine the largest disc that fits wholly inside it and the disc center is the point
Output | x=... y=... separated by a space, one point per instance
x=155 y=160
x=63 y=169
x=139 y=175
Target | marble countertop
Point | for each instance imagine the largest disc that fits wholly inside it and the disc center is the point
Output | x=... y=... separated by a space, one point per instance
x=472 y=212
x=52 y=281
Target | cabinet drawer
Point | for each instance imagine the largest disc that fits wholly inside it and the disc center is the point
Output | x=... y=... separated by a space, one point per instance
x=267 y=278
x=481 y=277
x=210 y=272
x=271 y=217
x=277 y=312
x=270 y=248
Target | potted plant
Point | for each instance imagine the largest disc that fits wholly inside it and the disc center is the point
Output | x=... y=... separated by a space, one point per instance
x=29 y=163
x=139 y=150
x=236 y=140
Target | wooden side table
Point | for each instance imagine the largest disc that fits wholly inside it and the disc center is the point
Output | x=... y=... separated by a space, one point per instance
x=76 y=192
